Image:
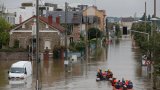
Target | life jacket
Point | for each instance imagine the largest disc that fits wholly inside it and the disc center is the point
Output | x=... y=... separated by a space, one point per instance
x=113 y=82
x=126 y=82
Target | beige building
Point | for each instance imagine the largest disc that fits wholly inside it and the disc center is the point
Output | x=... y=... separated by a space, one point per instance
x=127 y=22
x=98 y=17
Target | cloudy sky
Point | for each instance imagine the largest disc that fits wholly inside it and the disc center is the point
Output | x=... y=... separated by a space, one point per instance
x=118 y=8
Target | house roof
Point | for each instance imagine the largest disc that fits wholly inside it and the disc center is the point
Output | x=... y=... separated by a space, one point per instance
x=45 y=20
x=72 y=16
x=54 y=24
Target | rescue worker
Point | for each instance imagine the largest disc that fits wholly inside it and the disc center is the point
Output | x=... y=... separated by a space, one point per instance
x=109 y=74
x=114 y=81
x=123 y=81
x=118 y=85
x=126 y=83
x=130 y=85
x=104 y=74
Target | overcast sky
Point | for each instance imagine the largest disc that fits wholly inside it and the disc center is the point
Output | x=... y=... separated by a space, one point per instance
x=118 y=8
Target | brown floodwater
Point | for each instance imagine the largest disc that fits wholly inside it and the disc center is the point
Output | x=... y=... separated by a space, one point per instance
x=119 y=56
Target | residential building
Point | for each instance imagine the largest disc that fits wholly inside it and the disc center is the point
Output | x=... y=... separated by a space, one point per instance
x=9 y=17
x=82 y=7
x=47 y=7
x=95 y=17
x=114 y=20
x=127 y=22
x=50 y=33
x=72 y=20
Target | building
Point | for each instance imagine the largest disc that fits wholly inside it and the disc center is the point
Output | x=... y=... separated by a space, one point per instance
x=50 y=34
x=113 y=20
x=127 y=22
x=95 y=17
x=47 y=7
x=9 y=17
x=71 y=19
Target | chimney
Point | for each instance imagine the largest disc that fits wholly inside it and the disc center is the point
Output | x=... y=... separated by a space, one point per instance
x=58 y=20
x=20 y=19
x=50 y=19
x=154 y=8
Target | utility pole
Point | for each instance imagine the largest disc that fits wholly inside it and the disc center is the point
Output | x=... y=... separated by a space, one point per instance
x=154 y=76
x=154 y=8
x=37 y=45
x=86 y=39
x=145 y=16
x=66 y=52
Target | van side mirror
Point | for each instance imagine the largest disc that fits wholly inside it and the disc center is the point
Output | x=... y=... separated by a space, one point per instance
x=8 y=72
x=25 y=72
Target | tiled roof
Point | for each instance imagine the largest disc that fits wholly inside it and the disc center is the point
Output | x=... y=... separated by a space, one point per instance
x=44 y=19
x=54 y=24
x=70 y=16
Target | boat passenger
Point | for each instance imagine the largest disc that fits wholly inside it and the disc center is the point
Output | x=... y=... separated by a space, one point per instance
x=130 y=85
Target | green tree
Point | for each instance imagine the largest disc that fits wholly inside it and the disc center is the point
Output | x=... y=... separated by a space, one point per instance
x=143 y=17
x=4 y=35
x=94 y=33
x=141 y=39
x=149 y=17
x=117 y=30
x=4 y=25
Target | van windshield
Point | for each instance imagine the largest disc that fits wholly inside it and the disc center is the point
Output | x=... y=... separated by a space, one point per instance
x=17 y=70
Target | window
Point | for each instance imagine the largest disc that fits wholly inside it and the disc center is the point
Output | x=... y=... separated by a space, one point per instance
x=17 y=70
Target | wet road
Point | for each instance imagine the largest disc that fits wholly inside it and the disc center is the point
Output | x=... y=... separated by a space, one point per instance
x=119 y=57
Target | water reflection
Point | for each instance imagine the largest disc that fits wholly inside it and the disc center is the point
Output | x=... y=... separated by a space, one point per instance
x=25 y=83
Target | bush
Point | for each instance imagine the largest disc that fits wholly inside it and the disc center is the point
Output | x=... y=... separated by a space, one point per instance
x=57 y=51
x=77 y=46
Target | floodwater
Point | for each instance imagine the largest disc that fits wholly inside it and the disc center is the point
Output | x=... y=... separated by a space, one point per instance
x=119 y=56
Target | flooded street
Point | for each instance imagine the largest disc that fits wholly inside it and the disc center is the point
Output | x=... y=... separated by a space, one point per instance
x=120 y=57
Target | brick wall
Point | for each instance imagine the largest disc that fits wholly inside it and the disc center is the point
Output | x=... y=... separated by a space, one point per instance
x=24 y=39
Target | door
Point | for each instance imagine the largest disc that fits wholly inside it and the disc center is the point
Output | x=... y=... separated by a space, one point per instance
x=47 y=44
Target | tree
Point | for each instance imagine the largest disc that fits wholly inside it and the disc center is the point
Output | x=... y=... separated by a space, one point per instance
x=94 y=33
x=143 y=17
x=4 y=35
x=4 y=25
x=141 y=39
x=149 y=17
x=117 y=30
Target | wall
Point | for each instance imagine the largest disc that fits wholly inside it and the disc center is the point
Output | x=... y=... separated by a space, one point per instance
x=13 y=55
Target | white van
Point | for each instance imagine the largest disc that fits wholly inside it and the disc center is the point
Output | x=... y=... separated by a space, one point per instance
x=20 y=70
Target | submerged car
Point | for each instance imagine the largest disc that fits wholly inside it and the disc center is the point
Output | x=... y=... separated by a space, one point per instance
x=20 y=70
